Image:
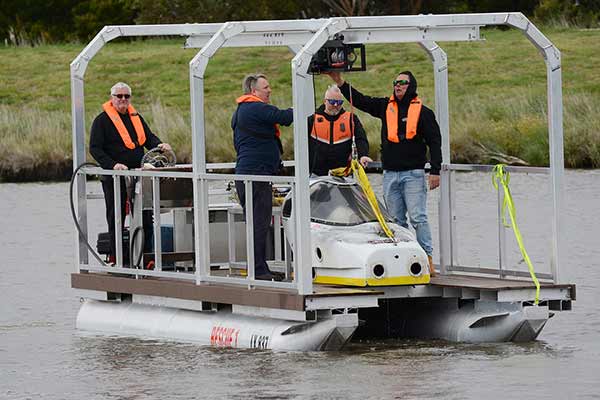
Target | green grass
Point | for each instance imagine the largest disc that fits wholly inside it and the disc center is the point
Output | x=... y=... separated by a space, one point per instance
x=497 y=96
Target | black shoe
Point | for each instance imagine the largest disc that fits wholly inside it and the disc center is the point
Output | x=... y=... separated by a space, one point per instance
x=279 y=276
x=269 y=276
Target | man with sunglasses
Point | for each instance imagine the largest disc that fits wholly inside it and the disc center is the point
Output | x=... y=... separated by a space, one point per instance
x=331 y=130
x=118 y=137
x=408 y=130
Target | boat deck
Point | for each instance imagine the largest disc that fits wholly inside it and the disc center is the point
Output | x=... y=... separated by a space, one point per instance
x=324 y=296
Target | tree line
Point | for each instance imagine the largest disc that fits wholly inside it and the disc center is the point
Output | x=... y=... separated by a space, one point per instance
x=32 y=22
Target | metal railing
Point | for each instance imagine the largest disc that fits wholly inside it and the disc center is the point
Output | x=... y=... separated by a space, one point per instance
x=447 y=223
x=202 y=266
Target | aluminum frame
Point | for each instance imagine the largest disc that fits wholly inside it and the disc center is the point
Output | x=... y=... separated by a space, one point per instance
x=312 y=34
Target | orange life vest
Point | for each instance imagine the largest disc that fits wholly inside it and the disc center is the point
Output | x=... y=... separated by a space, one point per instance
x=412 y=118
x=250 y=98
x=341 y=129
x=113 y=114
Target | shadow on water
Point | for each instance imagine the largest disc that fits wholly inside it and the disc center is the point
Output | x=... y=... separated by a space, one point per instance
x=415 y=349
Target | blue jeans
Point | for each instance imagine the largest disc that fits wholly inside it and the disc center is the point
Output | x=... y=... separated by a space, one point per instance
x=406 y=191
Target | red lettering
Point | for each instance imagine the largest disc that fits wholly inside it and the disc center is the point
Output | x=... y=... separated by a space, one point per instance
x=220 y=341
x=229 y=336
x=221 y=336
x=213 y=335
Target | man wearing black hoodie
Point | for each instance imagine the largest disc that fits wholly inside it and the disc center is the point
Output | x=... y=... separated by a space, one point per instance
x=408 y=129
x=331 y=133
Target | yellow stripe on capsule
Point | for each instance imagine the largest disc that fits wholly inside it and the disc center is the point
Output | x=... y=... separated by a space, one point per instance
x=393 y=281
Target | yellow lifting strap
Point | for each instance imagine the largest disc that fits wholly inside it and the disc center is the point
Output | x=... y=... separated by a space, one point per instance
x=363 y=181
x=502 y=176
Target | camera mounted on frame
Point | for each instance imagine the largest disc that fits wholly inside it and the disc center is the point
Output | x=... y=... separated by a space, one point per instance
x=335 y=55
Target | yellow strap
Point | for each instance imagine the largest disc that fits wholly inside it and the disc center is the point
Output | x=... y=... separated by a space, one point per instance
x=500 y=174
x=363 y=181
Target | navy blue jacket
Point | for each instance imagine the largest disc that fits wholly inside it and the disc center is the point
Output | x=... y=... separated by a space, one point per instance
x=257 y=147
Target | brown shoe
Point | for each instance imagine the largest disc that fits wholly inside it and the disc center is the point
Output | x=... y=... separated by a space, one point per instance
x=431 y=269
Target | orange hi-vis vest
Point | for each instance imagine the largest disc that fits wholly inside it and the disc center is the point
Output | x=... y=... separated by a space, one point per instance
x=391 y=118
x=341 y=129
x=113 y=114
x=250 y=98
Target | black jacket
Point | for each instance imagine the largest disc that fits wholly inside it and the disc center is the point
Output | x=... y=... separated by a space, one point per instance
x=107 y=147
x=322 y=157
x=408 y=153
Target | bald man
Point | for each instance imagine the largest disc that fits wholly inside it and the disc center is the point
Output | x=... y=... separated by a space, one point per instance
x=330 y=135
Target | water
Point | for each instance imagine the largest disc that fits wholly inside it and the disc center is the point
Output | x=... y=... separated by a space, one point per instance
x=42 y=356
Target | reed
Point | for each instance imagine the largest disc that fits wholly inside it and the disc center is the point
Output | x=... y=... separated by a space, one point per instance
x=34 y=144
x=497 y=97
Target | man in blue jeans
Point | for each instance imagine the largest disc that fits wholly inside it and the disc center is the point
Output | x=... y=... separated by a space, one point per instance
x=408 y=129
x=255 y=126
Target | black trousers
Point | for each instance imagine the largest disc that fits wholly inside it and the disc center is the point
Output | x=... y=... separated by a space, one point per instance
x=109 y=202
x=262 y=208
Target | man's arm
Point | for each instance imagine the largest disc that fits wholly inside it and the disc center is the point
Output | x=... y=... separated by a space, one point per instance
x=97 y=145
x=310 y=122
x=433 y=139
x=362 y=142
x=275 y=115
x=360 y=136
x=371 y=105
x=368 y=104
x=152 y=140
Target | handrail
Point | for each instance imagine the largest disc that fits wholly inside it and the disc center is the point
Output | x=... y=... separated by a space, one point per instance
x=448 y=218
x=155 y=177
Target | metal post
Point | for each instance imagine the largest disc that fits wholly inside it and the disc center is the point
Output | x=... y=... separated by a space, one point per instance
x=277 y=234
x=249 y=191
x=453 y=222
x=79 y=157
x=440 y=73
x=157 y=230
x=288 y=249
x=445 y=220
x=555 y=128
x=231 y=242
x=501 y=233
x=118 y=221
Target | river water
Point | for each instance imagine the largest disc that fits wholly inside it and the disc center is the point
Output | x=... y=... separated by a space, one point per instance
x=43 y=356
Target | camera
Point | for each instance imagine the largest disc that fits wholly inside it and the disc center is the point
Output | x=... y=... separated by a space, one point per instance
x=335 y=55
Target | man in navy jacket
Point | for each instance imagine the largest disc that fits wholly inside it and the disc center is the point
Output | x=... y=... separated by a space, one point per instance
x=255 y=125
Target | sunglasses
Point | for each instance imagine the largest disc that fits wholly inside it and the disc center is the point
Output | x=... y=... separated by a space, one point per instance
x=401 y=82
x=120 y=96
x=334 y=102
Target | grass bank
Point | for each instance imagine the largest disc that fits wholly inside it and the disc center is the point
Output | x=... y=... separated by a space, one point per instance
x=497 y=97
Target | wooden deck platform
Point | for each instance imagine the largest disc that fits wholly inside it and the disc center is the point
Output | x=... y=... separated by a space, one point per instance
x=210 y=292
x=323 y=296
x=486 y=283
